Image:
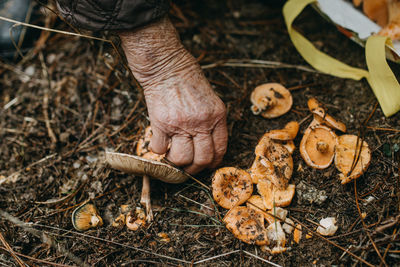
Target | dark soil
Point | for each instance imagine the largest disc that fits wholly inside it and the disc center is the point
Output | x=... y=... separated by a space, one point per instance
x=71 y=98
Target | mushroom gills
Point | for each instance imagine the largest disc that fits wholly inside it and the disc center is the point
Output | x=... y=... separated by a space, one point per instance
x=85 y=217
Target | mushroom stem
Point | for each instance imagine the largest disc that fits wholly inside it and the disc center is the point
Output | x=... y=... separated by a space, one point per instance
x=145 y=198
x=322 y=146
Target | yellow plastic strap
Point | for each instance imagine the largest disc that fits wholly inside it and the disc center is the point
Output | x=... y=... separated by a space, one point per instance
x=380 y=77
x=382 y=80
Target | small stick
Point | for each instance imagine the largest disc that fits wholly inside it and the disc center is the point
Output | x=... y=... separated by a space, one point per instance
x=38 y=260
x=11 y=251
x=363 y=223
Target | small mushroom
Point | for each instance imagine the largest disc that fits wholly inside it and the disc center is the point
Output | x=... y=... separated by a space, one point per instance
x=135 y=219
x=271 y=100
x=119 y=221
x=321 y=117
x=231 y=187
x=348 y=154
x=317 y=147
x=280 y=158
x=247 y=225
x=142 y=147
x=85 y=217
x=273 y=196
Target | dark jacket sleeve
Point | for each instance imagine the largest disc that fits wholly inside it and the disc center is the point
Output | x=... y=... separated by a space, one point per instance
x=111 y=14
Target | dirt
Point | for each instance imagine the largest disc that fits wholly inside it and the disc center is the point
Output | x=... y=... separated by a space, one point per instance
x=72 y=98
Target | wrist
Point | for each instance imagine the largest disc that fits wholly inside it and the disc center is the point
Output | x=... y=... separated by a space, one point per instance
x=155 y=52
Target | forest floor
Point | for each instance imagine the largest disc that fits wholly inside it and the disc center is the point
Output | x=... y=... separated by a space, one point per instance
x=71 y=98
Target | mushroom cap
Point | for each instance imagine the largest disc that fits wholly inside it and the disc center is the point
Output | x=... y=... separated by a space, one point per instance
x=317 y=147
x=85 y=217
x=231 y=187
x=141 y=166
x=346 y=151
x=321 y=117
x=271 y=100
x=247 y=225
x=280 y=158
x=273 y=196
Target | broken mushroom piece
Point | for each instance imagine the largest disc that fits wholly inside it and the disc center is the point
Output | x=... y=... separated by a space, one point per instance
x=135 y=219
x=85 y=217
x=142 y=147
x=352 y=157
x=277 y=238
x=231 y=187
x=273 y=196
x=281 y=160
x=317 y=147
x=271 y=100
x=247 y=225
x=327 y=226
x=288 y=133
x=321 y=117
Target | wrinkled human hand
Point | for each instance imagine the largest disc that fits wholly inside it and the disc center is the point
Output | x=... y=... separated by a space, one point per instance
x=184 y=111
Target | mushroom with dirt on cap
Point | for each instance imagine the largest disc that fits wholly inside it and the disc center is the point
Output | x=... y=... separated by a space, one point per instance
x=271 y=100
x=231 y=187
x=247 y=225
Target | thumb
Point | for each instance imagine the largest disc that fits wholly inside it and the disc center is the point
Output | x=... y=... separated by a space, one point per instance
x=159 y=141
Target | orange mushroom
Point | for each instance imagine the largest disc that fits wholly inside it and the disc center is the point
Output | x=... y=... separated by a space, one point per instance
x=280 y=167
x=231 y=187
x=142 y=147
x=377 y=10
x=317 y=147
x=247 y=225
x=271 y=100
x=321 y=117
x=273 y=196
x=392 y=29
x=288 y=133
x=136 y=219
x=352 y=157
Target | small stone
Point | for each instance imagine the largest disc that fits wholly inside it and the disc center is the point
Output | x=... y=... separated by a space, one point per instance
x=327 y=226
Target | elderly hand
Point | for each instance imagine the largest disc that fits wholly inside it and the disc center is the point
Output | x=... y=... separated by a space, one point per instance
x=183 y=108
